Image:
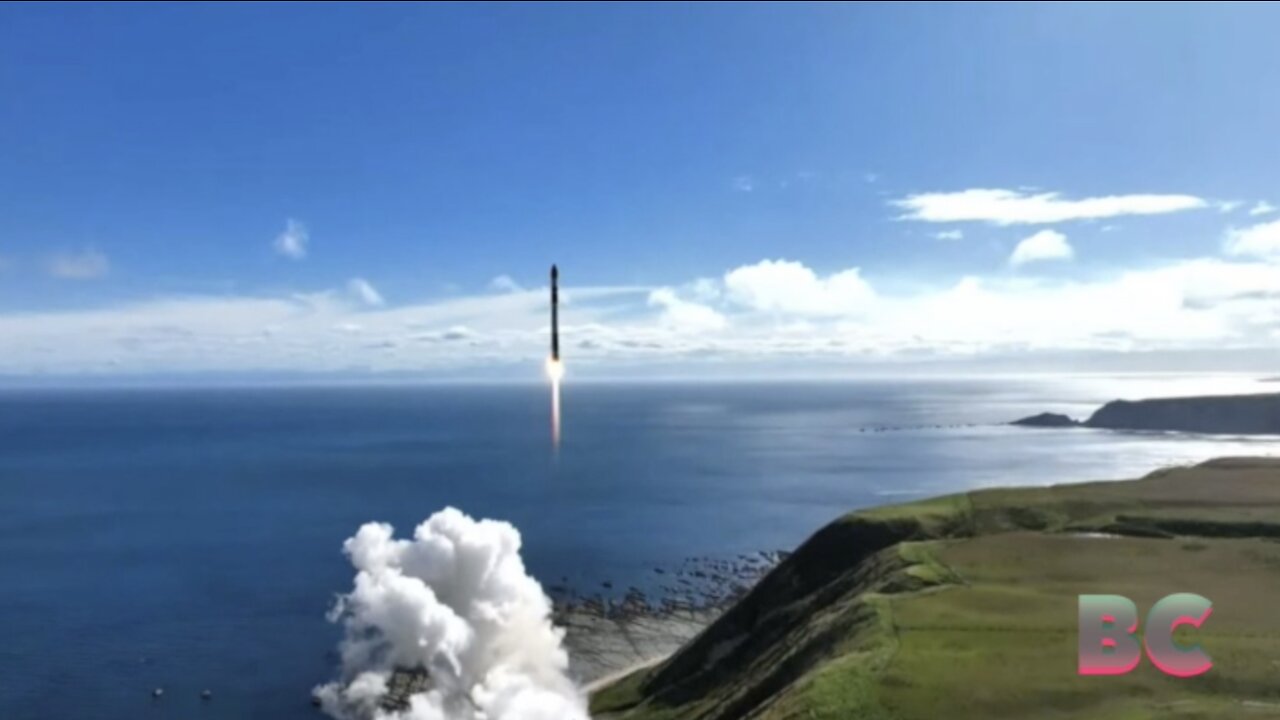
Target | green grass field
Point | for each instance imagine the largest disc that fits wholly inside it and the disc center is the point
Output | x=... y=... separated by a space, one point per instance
x=965 y=607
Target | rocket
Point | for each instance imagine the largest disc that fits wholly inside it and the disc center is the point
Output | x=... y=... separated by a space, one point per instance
x=555 y=314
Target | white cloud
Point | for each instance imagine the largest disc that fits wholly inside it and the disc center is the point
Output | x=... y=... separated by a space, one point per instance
x=452 y=334
x=744 y=183
x=83 y=265
x=504 y=284
x=1262 y=208
x=1010 y=207
x=685 y=315
x=790 y=287
x=1228 y=206
x=1262 y=240
x=365 y=292
x=771 y=311
x=1044 y=245
x=458 y=332
x=949 y=234
x=292 y=242
x=704 y=289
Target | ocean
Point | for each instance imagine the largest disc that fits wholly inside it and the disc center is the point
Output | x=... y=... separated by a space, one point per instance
x=191 y=539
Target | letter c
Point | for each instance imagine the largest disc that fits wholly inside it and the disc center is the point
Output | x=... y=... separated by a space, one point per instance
x=1163 y=620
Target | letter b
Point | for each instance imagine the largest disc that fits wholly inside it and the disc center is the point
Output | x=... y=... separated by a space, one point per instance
x=1107 y=642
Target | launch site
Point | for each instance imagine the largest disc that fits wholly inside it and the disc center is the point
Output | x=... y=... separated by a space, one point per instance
x=639 y=361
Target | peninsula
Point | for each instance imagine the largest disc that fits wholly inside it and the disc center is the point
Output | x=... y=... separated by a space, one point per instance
x=1212 y=414
x=964 y=606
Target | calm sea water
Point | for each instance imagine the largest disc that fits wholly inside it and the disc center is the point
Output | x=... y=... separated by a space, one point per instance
x=191 y=539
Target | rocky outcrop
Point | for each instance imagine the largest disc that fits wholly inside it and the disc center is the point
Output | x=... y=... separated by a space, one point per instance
x=1052 y=420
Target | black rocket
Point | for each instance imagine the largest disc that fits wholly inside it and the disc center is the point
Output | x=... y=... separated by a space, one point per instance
x=555 y=314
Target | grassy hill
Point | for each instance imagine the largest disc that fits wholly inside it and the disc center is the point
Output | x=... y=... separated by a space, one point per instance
x=964 y=606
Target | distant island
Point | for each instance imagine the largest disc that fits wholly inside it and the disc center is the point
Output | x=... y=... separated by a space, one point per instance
x=1212 y=414
x=1046 y=420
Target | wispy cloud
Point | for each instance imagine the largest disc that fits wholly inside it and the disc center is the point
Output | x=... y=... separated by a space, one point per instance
x=1042 y=246
x=1011 y=207
x=704 y=289
x=1261 y=240
x=504 y=284
x=452 y=334
x=1262 y=208
x=292 y=242
x=744 y=183
x=950 y=235
x=870 y=177
x=83 y=265
x=799 y=178
x=365 y=292
x=1228 y=206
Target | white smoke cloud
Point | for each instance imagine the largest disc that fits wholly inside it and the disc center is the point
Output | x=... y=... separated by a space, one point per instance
x=455 y=600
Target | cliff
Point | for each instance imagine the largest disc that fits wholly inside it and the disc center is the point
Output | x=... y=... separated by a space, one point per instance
x=1216 y=414
x=965 y=607
x=1227 y=414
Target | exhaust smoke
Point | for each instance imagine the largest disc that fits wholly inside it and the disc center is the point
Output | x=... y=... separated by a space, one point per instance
x=456 y=602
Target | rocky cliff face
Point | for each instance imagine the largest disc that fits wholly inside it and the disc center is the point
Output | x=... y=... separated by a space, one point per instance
x=963 y=607
x=1229 y=414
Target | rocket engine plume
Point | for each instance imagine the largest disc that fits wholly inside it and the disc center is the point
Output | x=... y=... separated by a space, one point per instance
x=555 y=369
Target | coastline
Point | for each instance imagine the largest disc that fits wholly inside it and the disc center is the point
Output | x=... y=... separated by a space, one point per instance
x=606 y=635
x=604 y=648
x=613 y=677
x=899 y=611
x=1246 y=414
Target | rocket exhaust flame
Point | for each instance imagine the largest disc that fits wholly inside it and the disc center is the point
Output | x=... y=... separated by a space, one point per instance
x=555 y=369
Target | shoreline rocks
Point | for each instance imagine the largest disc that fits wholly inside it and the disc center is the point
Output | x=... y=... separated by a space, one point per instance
x=607 y=634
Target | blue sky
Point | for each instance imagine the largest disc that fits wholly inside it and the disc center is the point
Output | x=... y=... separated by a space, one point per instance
x=810 y=186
